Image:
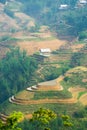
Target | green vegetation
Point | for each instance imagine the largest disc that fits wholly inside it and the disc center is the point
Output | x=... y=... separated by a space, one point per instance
x=2 y=1
x=81 y=93
x=5 y=38
x=58 y=123
x=14 y=5
x=12 y=121
x=11 y=7
x=24 y=38
x=36 y=38
x=9 y=12
x=52 y=94
x=70 y=116
x=42 y=117
x=8 y=107
x=16 y=71
x=83 y=35
x=63 y=121
x=63 y=22
x=76 y=77
x=79 y=58
x=72 y=25
x=47 y=119
x=52 y=72
x=24 y=95
x=75 y=59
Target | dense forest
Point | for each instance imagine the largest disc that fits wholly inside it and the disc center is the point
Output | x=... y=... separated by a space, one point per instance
x=46 y=119
x=16 y=70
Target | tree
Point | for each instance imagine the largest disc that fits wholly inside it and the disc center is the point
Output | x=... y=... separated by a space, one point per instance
x=42 y=117
x=66 y=121
x=75 y=59
x=16 y=72
x=12 y=121
x=83 y=35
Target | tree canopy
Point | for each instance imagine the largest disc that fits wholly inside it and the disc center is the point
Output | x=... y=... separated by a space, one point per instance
x=16 y=70
x=12 y=121
x=43 y=117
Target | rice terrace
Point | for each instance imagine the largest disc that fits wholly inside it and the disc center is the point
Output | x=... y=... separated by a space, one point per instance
x=50 y=92
x=43 y=64
x=44 y=87
x=55 y=91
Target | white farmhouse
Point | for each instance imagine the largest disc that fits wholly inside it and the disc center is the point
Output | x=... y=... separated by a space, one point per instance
x=64 y=6
x=45 y=52
x=83 y=1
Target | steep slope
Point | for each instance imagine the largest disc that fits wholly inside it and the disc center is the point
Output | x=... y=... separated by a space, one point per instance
x=12 y=19
x=13 y=22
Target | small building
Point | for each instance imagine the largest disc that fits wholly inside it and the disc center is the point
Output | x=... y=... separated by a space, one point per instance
x=63 y=7
x=45 y=52
x=83 y=2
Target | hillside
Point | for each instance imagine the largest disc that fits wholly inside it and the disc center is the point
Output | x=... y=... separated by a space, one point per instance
x=22 y=15
x=76 y=77
x=43 y=60
x=47 y=94
x=13 y=19
x=21 y=21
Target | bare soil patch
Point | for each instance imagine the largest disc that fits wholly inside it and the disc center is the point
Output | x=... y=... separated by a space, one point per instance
x=35 y=46
x=28 y=116
x=50 y=88
x=77 y=47
x=84 y=80
x=51 y=85
x=7 y=22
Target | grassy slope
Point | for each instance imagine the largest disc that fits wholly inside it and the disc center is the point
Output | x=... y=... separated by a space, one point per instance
x=76 y=77
x=7 y=108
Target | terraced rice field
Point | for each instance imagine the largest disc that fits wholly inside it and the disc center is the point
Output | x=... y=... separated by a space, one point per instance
x=46 y=86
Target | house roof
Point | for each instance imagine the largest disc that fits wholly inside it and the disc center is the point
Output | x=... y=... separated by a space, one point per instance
x=45 y=50
x=63 y=6
x=83 y=1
